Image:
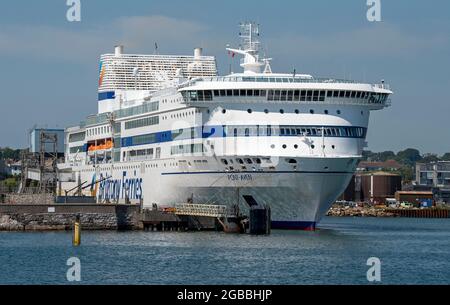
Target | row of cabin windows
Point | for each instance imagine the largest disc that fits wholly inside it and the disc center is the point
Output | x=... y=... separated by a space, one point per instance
x=149 y=152
x=98 y=130
x=187 y=149
x=286 y=95
x=76 y=149
x=246 y=131
x=77 y=137
x=153 y=120
x=296 y=111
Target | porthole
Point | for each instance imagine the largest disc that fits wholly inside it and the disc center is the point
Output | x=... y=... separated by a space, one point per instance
x=284 y=146
x=266 y=111
x=297 y=111
x=249 y=110
x=362 y=112
x=312 y=146
x=295 y=146
x=326 y=111
x=311 y=111
x=281 y=111
x=272 y=146
x=338 y=112
x=332 y=146
x=224 y=111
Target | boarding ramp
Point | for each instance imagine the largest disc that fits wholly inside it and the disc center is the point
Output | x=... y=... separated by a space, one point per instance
x=207 y=210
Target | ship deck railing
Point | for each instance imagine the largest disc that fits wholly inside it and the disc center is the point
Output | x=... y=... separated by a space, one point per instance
x=279 y=79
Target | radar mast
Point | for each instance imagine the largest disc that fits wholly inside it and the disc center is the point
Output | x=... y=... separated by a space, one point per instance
x=249 y=48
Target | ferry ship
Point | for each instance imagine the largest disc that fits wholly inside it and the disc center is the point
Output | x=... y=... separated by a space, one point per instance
x=169 y=130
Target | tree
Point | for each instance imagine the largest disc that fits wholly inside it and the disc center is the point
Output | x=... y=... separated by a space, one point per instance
x=409 y=156
x=429 y=158
x=446 y=157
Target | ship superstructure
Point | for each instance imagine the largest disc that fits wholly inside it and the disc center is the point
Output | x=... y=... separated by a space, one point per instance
x=291 y=141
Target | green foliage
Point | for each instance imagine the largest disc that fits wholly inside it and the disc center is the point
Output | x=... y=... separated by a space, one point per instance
x=9 y=153
x=10 y=182
x=407 y=173
x=446 y=157
x=408 y=156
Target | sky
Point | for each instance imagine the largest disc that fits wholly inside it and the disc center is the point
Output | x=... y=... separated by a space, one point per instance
x=49 y=66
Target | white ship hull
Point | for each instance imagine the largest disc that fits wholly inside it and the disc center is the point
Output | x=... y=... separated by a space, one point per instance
x=298 y=198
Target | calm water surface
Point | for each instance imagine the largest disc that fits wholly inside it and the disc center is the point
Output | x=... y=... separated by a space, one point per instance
x=412 y=251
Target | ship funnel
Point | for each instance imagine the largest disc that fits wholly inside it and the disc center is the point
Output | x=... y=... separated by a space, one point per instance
x=197 y=53
x=118 y=50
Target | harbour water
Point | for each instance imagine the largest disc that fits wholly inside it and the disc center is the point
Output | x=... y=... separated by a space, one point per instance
x=412 y=251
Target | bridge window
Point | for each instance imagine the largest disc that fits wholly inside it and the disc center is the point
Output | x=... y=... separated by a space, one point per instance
x=322 y=96
x=283 y=95
x=309 y=95
x=242 y=92
x=236 y=92
x=329 y=93
x=290 y=95
x=262 y=93
x=353 y=94
x=277 y=95
x=303 y=95
x=315 y=95
x=347 y=94
x=249 y=92
x=341 y=93
x=216 y=93
x=229 y=92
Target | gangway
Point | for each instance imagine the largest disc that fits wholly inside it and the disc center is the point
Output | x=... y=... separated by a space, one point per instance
x=208 y=210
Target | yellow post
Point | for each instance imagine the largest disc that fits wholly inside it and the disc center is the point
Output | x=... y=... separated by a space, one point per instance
x=77 y=232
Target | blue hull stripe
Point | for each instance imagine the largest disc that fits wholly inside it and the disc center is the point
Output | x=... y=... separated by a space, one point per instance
x=205 y=132
x=106 y=95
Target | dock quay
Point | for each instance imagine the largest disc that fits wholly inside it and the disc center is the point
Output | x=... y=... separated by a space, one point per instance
x=371 y=211
x=99 y=216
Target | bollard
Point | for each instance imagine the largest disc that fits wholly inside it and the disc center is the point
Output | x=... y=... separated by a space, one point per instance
x=77 y=231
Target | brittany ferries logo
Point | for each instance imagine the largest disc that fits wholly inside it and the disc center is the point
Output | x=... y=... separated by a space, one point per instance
x=115 y=189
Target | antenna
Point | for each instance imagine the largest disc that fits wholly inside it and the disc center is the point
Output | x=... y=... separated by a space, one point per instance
x=249 y=48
